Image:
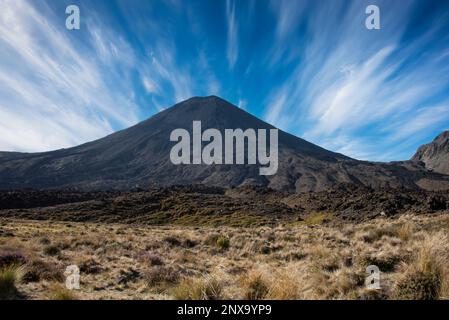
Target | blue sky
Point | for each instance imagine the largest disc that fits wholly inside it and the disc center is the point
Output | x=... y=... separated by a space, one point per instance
x=309 y=67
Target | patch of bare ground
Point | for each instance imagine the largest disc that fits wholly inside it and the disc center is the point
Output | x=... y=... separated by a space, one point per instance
x=311 y=259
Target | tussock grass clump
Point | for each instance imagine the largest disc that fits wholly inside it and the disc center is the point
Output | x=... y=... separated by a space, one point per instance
x=37 y=270
x=207 y=288
x=406 y=231
x=189 y=243
x=345 y=283
x=211 y=239
x=293 y=256
x=377 y=233
x=61 y=293
x=150 y=258
x=323 y=258
x=369 y=294
x=219 y=241
x=285 y=285
x=51 y=250
x=159 y=275
x=223 y=243
x=8 y=258
x=173 y=241
x=386 y=263
x=44 y=241
x=419 y=285
x=425 y=277
x=255 y=286
x=10 y=276
x=90 y=266
x=403 y=231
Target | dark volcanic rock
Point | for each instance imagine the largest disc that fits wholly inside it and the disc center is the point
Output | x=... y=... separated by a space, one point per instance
x=244 y=206
x=187 y=205
x=43 y=198
x=138 y=157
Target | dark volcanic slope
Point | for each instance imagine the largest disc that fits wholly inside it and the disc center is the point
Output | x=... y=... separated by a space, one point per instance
x=139 y=157
x=435 y=155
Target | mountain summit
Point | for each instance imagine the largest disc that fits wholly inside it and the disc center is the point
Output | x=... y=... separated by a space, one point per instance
x=140 y=157
x=435 y=155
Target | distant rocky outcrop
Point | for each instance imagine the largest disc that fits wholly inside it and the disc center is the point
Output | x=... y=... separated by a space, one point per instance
x=435 y=155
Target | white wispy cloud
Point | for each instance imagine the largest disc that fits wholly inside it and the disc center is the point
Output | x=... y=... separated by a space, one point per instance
x=149 y=85
x=163 y=65
x=289 y=15
x=348 y=100
x=422 y=118
x=212 y=84
x=275 y=114
x=53 y=94
x=242 y=104
x=232 y=37
x=355 y=91
x=162 y=73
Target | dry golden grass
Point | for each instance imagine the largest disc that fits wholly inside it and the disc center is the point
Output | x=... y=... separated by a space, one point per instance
x=61 y=293
x=427 y=276
x=305 y=261
x=10 y=276
x=205 y=288
x=255 y=286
